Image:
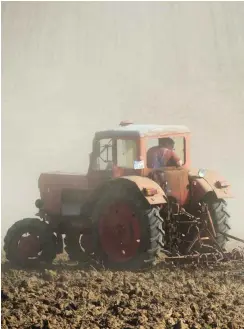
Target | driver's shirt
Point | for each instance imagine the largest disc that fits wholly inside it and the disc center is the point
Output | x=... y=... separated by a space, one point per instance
x=161 y=157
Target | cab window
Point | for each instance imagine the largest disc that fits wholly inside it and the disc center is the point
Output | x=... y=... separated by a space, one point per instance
x=126 y=153
x=103 y=154
x=179 y=146
x=120 y=152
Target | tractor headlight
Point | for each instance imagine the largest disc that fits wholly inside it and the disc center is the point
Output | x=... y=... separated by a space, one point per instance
x=201 y=173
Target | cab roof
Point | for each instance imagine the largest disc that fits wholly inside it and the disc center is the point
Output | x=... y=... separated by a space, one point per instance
x=141 y=130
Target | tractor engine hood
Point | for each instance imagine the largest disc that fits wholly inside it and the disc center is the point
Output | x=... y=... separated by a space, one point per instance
x=62 y=180
x=53 y=185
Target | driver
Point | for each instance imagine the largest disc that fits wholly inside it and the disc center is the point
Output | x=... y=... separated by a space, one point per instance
x=163 y=155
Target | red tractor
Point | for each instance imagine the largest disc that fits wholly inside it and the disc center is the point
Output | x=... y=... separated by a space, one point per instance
x=122 y=212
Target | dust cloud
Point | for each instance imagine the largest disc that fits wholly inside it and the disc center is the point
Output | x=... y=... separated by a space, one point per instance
x=70 y=68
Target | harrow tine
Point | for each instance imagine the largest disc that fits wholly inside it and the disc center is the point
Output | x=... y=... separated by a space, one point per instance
x=232 y=237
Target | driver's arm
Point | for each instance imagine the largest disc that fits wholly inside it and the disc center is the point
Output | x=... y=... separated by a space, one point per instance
x=180 y=163
x=176 y=159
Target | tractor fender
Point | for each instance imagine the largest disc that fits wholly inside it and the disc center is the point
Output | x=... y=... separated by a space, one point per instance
x=124 y=185
x=212 y=181
x=146 y=183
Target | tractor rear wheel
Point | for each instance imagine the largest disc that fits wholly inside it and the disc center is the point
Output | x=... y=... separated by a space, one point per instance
x=127 y=234
x=28 y=242
x=220 y=217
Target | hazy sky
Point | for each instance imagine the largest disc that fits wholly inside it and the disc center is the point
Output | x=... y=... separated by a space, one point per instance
x=69 y=69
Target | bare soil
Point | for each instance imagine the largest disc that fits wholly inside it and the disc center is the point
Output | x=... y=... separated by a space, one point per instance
x=66 y=296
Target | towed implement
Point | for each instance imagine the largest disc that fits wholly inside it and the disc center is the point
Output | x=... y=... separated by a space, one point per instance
x=123 y=212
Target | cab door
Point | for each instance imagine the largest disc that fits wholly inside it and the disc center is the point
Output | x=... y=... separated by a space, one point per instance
x=101 y=162
x=127 y=158
x=113 y=157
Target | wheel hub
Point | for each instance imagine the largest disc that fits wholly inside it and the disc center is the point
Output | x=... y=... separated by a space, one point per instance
x=29 y=246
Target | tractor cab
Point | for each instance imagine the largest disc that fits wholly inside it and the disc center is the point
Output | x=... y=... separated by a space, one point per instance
x=124 y=151
x=127 y=146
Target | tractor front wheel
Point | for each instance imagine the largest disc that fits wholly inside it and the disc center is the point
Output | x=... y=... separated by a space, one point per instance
x=30 y=241
x=127 y=233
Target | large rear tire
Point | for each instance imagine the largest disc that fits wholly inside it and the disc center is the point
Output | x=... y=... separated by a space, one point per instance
x=127 y=234
x=38 y=246
x=220 y=217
